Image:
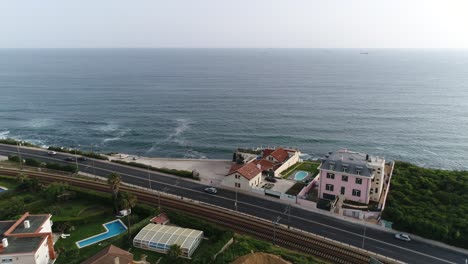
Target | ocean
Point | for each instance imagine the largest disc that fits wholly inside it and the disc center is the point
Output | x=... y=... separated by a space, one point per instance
x=409 y=105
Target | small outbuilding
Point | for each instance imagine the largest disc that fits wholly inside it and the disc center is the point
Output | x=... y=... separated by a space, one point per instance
x=161 y=219
x=160 y=238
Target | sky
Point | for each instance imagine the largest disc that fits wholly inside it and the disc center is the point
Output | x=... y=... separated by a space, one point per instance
x=234 y=24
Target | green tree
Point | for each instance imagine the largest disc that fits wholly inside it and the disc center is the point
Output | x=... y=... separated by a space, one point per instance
x=114 y=181
x=28 y=184
x=54 y=191
x=174 y=253
x=127 y=202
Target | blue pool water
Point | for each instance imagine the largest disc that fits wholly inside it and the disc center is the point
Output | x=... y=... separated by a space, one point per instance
x=300 y=175
x=114 y=228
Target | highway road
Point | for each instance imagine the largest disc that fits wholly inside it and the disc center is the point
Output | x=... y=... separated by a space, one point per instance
x=375 y=240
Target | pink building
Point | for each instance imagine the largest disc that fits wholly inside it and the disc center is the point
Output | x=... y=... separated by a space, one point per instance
x=351 y=175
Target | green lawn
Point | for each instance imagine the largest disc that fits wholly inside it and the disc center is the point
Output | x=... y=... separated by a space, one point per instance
x=8 y=182
x=309 y=166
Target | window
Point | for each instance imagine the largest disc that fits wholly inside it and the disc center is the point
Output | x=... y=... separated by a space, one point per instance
x=330 y=176
x=344 y=178
x=329 y=187
x=376 y=190
x=237 y=176
x=358 y=172
x=358 y=181
x=345 y=169
x=356 y=193
x=331 y=166
x=237 y=185
x=342 y=190
x=7 y=260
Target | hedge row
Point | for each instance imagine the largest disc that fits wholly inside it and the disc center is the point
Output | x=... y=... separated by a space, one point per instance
x=93 y=155
x=181 y=173
x=47 y=165
x=10 y=141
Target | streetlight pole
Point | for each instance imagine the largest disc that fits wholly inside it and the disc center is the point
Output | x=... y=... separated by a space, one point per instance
x=92 y=164
x=149 y=179
x=235 y=203
x=76 y=159
x=159 y=197
x=288 y=211
x=275 y=223
x=18 y=144
x=177 y=184
x=364 y=237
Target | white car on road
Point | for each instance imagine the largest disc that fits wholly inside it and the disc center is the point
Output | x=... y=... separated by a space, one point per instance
x=211 y=190
x=52 y=153
x=403 y=237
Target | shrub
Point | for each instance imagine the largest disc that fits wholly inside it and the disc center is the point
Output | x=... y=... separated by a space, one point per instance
x=426 y=202
x=56 y=166
x=93 y=155
x=10 y=141
x=14 y=158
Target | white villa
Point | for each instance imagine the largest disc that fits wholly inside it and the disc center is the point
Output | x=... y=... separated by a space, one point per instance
x=27 y=240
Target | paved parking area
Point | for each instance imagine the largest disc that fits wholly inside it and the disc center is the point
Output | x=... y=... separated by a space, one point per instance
x=281 y=185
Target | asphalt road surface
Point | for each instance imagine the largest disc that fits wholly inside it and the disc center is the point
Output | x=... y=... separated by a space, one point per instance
x=375 y=240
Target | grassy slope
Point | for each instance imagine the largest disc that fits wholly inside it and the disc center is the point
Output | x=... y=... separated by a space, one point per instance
x=430 y=203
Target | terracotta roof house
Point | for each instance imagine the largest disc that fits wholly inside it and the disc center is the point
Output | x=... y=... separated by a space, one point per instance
x=27 y=240
x=244 y=176
x=111 y=255
x=248 y=167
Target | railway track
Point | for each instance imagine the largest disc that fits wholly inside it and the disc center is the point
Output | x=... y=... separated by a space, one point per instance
x=324 y=248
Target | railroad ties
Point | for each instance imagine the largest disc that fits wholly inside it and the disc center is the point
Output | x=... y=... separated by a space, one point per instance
x=315 y=245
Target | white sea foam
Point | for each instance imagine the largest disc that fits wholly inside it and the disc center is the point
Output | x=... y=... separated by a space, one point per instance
x=182 y=126
x=430 y=152
x=109 y=127
x=119 y=136
x=175 y=136
x=40 y=123
x=4 y=134
x=193 y=154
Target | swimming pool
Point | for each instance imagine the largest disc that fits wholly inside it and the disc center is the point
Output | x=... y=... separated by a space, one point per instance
x=113 y=228
x=300 y=175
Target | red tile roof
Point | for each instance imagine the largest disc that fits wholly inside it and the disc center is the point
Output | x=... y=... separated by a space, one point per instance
x=249 y=171
x=161 y=219
x=108 y=255
x=267 y=152
x=234 y=168
x=265 y=164
x=280 y=154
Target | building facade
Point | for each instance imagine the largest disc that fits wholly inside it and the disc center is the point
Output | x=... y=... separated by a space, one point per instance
x=27 y=240
x=354 y=176
x=243 y=176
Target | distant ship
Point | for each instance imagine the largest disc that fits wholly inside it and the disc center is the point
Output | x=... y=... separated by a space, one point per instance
x=364 y=53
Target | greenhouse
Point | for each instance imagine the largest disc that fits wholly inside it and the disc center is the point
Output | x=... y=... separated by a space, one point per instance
x=159 y=238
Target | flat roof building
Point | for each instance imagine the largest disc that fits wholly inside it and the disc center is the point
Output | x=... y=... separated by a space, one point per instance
x=27 y=240
x=160 y=238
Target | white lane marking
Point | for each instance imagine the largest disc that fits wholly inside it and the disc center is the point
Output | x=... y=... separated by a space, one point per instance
x=264 y=208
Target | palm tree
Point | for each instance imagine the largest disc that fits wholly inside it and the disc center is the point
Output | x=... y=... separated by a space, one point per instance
x=114 y=181
x=127 y=202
